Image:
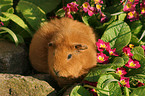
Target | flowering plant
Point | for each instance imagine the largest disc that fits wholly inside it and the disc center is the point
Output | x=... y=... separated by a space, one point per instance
x=120 y=51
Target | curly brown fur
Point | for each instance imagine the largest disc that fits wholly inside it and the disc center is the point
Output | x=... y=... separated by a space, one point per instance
x=65 y=48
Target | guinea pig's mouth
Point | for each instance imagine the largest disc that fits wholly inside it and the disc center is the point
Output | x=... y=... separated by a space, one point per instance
x=58 y=75
x=56 y=72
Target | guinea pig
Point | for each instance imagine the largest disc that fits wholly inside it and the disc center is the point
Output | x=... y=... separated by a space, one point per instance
x=64 y=48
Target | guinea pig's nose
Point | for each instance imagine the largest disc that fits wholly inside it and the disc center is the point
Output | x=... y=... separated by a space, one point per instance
x=56 y=72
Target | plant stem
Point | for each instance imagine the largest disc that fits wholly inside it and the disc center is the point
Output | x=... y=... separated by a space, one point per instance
x=90 y=86
x=116 y=13
x=3 y=32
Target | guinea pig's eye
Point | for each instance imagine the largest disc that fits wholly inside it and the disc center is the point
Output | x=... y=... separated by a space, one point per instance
x=69 y=56
x=50 y=44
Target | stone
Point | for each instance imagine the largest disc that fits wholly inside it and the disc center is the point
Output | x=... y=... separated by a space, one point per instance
x=13 y=59
x=18 y=85
x=47 y=78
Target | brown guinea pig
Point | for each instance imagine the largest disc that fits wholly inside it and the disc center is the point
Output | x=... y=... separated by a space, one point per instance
x=65 y=48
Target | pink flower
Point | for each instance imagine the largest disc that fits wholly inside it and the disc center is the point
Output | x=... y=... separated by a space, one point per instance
x=91 y=11
x=140 y=84
x=143 y=47
x=98 y=1
x=121 y=71
x=129 y=7
x=1 y=24
x=131 y=46
x=127 y=52
x=94 y=92
x=142 y=8
x=132 y=64
x=86 y=7
x=125 y=82
x=102 y=58
x=98 y=7
x=67 y=12
x=133 y=15
x=112 y=51
x=73 y=6
x=101 y=45
x=103 y=18
x=134 y=1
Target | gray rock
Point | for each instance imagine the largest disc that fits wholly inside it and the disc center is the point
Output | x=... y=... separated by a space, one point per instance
x=17 y=85
x=13 y=59
x=47 y=78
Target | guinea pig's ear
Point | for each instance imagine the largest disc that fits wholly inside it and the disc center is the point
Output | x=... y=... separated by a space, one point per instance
x=81 y=47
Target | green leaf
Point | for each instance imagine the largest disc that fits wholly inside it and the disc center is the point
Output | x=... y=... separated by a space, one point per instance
x=114 y=8
x=115 y=75
x=60 y=13
x=5 y=20
x=126 y=91
x=138 y=77
x=109 y=81
x=80 y=2
x=140 y=70
x=117 y=63
x=92 y=21
x=135 y=40
x=85 y=19
x=32 y=13
x=135 y=26
x=111 y=88
x=138 y=50
x=1 y=32
x=113 y=18
x=140 y=58
x=45 y=5
x=122 y=16
x=94 y=74
x=11 y=33
x=125 y=58
x=5 y=5
x=142 y=35
x=138 y=91
x=118 y=34
x=108 y=69
x=20 y=39
x=79 y=91
x=18 y=21
x=10 y=10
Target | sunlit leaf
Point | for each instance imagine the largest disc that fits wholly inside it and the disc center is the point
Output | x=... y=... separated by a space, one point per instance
x=11 y=33
x=18 y=21
x=33 y=14
x=118 y=34
x=79 y=91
